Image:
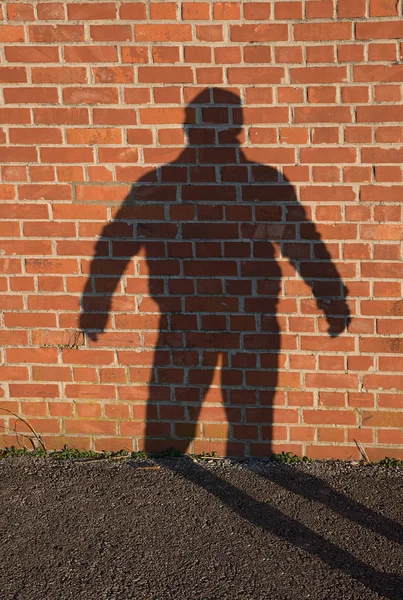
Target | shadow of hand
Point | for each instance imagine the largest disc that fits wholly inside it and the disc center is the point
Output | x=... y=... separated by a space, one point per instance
x=337 y=326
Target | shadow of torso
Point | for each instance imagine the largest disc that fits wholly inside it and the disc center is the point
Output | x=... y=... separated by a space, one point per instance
x=202 y=293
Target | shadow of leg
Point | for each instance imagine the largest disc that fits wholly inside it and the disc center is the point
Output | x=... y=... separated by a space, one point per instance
x=270 y=519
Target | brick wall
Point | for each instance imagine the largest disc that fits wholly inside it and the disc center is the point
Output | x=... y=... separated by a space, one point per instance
x=195 y=196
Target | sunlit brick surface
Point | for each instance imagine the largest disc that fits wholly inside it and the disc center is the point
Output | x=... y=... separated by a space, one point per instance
x=192 y=193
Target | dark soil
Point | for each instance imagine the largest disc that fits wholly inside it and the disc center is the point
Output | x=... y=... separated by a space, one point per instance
x=199 y=530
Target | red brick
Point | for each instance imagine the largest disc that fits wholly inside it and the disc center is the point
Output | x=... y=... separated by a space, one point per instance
x=326 y=174
x=133 y=11
x=293 y=135
x=357 y=134
x=329 y=417
x=163 y=33
x=12 y=33
x=291 y=54
x=385 y=174
x=69 y=212
x=113 y=74
x=38 y=135
x=351 y=53
x=32 y=355
x=334 y=452
x=160 y=54
x=325 y=135
x=382 y=52
x=258 y=54
x=318 y=75
x=92 y=427
x=56 y=33
x=319 y=10
x=46 y=173
x=382 y=418
x=46 y=192
x=59 y=75
x=195 y=54
x=383 y=8
x=290 y=94
x=163 y=12
x=387 y=93
x=114 y=116
x=32 y=54
x=355 y=94
x=357 y=174
x=53 y=373
x=90 y=391
x=196 y=11
x=16 y=154
x=20 y=12
x=254 y=11
x=90 y=54
x=379 y=30
x=113 y=444
x=209 y=75
x=92 y=11
x=331 y=114
x=302 y=434
x=321 y=94
x=12 y=75
x=262 y=115
x=382 y=73
x=328 y=155
x=23 y=211
x=96 y=95
x=93 y=136
x=88 y=357
x=67 y=155
x=51 y=11
x=331 y=434
x=322 y=31
x=320 y=54
x=165 y=75
x=209 y=33
x=15 y=115
x=7 y=192
x=259 y=33
x=33 y=390
x=347 y=9
x=288 y=10
x=61 y=409
x=61 y=116
x=229 y=11
x=389 y=134
x=227 y=55
x=111 y=33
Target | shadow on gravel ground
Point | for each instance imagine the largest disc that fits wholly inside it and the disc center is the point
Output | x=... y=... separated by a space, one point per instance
x=219 y=530
x=270 y=519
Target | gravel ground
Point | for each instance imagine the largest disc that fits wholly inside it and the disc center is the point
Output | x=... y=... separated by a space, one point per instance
x=199 y=530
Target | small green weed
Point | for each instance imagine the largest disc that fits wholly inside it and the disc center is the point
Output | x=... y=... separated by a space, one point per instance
x=70 y=453
x=167 y=453
x=13 y=451
x=73 y=453
x=139 y=455
x=290 y=459
x=212 y=454
x=391 y=462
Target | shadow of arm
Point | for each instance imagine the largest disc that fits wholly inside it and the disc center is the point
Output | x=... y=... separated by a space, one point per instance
x=113 y=251
x=313 y=262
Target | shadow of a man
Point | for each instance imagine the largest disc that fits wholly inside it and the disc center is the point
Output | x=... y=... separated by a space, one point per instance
x=212 y=226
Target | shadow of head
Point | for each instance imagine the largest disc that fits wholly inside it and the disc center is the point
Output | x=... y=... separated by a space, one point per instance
x=214 y=117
